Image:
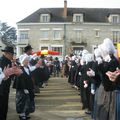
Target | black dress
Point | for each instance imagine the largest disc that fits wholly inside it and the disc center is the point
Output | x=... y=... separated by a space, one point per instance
x=106 y=98
x=66 y=72
x=24 y=102
x=72 y=73
x=91 y=84
x=82 y=89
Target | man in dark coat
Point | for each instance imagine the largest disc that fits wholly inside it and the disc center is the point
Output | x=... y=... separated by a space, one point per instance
x=5 y=61
x=56 y=67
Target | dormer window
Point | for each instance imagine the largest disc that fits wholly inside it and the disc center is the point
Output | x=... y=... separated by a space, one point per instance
x=45 y=18
x=114 y=18
x=78 y=18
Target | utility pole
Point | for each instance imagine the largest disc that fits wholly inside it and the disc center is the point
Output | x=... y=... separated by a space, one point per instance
x=65 y=40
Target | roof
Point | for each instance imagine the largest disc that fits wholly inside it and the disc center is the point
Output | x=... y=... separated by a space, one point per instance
x=90 y=14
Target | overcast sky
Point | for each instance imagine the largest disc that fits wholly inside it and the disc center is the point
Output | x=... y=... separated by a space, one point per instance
x=12 y=11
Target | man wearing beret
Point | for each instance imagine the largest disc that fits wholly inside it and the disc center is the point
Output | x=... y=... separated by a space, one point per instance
x=28 y=50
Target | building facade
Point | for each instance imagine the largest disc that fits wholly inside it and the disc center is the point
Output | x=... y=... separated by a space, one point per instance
x=1 y=46
x=68 y=30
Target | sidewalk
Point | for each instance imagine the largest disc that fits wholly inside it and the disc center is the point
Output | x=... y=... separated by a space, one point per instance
x=57 y=101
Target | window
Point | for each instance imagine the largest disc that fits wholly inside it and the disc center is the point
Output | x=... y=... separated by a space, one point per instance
x=57 y=48
x=78 y=18
x=57 y=34
x=45 y=18
x=44 y=47
x=115 y=19
x=78 y=35
x=23 y=35
x=97 y=33
x=116 y=36
x=21 y=50
x=45 y=34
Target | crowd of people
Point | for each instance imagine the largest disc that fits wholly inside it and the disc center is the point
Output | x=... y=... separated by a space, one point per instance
x=28 y=73
x=96 y=76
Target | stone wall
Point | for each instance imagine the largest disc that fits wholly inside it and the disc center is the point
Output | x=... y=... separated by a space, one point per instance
x=88 y=34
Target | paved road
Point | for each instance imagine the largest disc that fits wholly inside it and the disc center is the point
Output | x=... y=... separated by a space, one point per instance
x=57 y=101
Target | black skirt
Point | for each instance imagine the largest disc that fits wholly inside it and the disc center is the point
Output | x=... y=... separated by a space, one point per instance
x=117 y=106
x=24 y=103
x=105 y=104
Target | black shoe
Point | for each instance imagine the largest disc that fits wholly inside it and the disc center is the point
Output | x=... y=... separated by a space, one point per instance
x=37 y=91
x=83 y=107
x=41 y=87
x=88 y=112
x=28 y=117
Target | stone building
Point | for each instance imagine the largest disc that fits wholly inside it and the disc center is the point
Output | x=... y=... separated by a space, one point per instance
x=68 y=30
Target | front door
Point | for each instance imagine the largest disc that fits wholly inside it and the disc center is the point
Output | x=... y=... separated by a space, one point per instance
x=78 y=50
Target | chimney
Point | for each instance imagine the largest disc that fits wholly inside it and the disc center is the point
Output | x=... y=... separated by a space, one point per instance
x=65 y=9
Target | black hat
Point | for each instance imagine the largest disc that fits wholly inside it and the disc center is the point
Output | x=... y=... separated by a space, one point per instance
x=8 y=49
x=27 y=48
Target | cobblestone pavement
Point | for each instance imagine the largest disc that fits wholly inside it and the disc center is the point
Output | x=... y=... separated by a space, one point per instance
x=57 y=101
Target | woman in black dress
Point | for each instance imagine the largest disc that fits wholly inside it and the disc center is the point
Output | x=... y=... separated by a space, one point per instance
x=107 y=103
x=24 y=90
